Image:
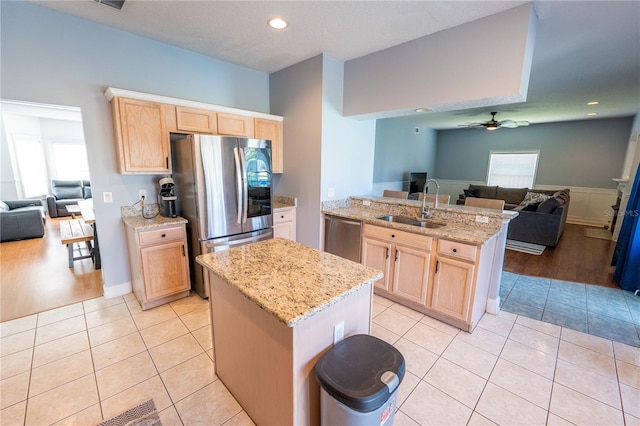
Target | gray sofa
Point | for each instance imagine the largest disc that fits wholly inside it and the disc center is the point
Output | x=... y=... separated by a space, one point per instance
x=64 y=193
x=20 y=220
x=539 y=221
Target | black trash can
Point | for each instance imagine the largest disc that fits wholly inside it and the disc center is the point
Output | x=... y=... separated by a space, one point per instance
x=359 y=379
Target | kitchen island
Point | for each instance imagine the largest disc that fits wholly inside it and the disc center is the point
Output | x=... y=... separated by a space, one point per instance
x=274 y=306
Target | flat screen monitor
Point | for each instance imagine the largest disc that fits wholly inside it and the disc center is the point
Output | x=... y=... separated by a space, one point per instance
x=417 y=181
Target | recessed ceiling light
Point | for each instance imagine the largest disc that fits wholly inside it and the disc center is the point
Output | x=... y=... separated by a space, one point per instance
x=423 y=110
x=592 y=113
x=593 y=103
x=277 y=23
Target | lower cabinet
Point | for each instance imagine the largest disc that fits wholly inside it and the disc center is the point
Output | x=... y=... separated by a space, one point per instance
x=284 y=224
x=452 y=287
x=159 y=264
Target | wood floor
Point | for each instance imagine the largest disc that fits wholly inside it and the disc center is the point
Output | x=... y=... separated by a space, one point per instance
x=35 y=275
x=576 y=258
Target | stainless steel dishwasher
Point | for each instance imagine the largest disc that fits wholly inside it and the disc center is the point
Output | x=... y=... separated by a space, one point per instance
x=342 y=237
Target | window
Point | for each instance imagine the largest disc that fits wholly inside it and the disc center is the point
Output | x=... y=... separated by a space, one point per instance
x=31 y=165
x=513 y=169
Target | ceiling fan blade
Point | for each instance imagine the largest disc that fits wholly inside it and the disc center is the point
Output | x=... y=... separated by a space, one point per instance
x=471 y=125
x=510 y=124
x=523 y=123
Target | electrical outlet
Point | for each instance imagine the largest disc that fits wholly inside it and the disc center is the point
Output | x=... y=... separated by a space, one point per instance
x=366 y=202
x=338 y=332
x=142 y=193
x=107 y=197
x=482 y=219
x=331 y=192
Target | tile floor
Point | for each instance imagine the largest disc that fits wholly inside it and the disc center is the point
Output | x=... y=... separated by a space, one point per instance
x=88 y=361
x=606 y=312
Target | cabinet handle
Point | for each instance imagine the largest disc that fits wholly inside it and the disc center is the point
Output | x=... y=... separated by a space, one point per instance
x=393 y=235
x=437 y=265
x=387 y=252
x=163 y=235
x=282 y=217
x=166 y=162
x=183 y=251
x=455 y=250
x=396 y=255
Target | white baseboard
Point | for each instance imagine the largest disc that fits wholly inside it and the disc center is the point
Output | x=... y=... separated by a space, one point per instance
x=116 y=290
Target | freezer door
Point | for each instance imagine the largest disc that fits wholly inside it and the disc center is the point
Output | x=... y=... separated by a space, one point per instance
x=257 y=203
x=219 y=186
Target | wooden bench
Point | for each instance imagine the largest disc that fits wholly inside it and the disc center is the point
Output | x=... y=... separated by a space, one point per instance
x=76 y=231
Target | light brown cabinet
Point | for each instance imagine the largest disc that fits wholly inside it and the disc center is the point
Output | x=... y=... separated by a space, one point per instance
x=159 y=264
x=284 y=224
x=195 y=120
x=235 y=125
x=142 y=137
x=271 y=130
x=404 y=258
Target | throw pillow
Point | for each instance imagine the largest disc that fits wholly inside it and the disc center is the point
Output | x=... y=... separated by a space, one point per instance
x=549 y=205
x=470 y=192
x=532 y=198
x=4 y=207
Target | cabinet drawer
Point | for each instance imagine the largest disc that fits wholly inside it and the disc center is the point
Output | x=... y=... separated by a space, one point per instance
x=283 y=216
x=457 y=250
x=160 y=235
x=422 y=242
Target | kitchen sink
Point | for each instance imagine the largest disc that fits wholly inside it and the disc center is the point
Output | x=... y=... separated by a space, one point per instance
x=423 y=223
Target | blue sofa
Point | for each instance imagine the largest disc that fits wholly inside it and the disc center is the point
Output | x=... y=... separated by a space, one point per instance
x=20 y=220
x=66 y=192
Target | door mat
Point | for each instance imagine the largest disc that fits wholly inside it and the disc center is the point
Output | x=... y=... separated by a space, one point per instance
x=144 y=414
x=529 y=248
x=602 y=234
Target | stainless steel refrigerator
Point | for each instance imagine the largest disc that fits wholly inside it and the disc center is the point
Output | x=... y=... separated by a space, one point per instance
x=223 y=189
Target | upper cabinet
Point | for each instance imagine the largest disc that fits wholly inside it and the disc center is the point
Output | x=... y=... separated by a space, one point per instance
x=142 y=136
x=272 y=130
x=195 y=120
x=235 y=125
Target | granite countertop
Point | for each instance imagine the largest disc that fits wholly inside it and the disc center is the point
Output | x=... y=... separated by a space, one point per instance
x=139 y=222
x=289 y=280
x=281 y=202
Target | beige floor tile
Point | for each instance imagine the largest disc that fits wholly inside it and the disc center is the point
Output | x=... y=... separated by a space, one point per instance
x=630 y=420
x=395 y=321
x=401 y=419
x=382 y=300
x=151 y=317
x=197 y=318
x=553 y=420
x=17 y=342
x=101 y=303
x=152 y=388
x=111 y=331
x=204 y=337
x=106 y=315
x=529 y=358
x=60 y=348
x=630 y=400
x=535 y=339
x=169 y=416
x=14 y=389
x=522 y=382
x=543 y=327
x=15 y=363
x=509 y=316
x=188 y=377
x=189 y=304
x=473 y=359
x=125 y=374
x=408 y=384
x=456 y=382
x=429 y=406
x=429 y=338
x=14 y=415
x=382 y=333
x=377 y=309
x=69 y=399
x=589 y=341
x=59 y=372
x=601 y=364
x=496 y=324
x=479 y=420
x=484 y=339
x=408 y=312
x=440 y=326
x=134 y=306
x=88 y=416
x=626 y=353
x=19 y=325
x=163 y=332
x=60 y=314
x=418 y=360
x=212 y=405
x=628 y=374
x=505 y=408
x=175 y=351
x=117 y=350
x=129 y=296
x=580 y=409
x=210 y=354
x=60 y=329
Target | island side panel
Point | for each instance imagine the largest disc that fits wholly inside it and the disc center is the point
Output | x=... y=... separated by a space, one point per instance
x=253 y=355
x=313 y=337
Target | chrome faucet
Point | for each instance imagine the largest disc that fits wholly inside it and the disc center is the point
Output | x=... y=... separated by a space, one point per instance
x=426 y=210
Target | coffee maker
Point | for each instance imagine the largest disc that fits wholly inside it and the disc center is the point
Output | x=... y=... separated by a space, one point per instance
x=166 y=199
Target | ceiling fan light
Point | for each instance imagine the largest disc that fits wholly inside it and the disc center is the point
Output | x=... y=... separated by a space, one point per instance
x=492 y=127
x=277 y=23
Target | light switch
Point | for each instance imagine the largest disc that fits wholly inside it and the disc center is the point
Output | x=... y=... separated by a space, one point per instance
x=107 y=197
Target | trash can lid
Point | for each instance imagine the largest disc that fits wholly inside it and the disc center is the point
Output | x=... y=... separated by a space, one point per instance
x=361 y=372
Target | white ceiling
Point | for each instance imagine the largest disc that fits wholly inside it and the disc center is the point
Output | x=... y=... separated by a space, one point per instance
x=585 y=50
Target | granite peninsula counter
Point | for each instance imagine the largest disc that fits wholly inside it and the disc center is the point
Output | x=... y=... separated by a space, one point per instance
x=274 y=305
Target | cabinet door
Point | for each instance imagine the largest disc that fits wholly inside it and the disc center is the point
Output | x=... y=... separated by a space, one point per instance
x=377 y=254
x=452 y=286
x=165 y=269
x=196 y=120
x=143 y=139
x=411 y=273
x=284 y=230
x=235 y=125
x=272 y=130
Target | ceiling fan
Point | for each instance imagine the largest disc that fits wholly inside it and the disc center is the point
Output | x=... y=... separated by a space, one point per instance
x=493 y=124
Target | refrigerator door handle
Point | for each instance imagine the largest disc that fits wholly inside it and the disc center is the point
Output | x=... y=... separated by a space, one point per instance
x=239 y=185
x=245 y=189
x=243 y=241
